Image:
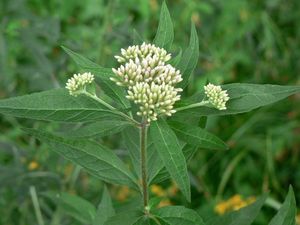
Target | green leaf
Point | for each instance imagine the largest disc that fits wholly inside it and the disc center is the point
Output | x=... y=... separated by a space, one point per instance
x=189 y=59
x=100 y=129
x=130 y=137
x=154 y=161
x=197 y=136
x=188 y=152
x=137 y=38
x=176 y=59
x=170 y=152
x=56 y=105
x=125 y=218
x=102 y=76
x=154 y=202
x=244 y=216
x=165 y=31
x=144 y=221
x=76 y=207
x=243 y=98
x=96 y=159
x=178 y=215
x=105 y=209
x=87 y=64
x=287 y=212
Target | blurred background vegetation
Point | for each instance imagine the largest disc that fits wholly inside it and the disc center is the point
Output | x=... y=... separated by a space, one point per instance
x=240 y=41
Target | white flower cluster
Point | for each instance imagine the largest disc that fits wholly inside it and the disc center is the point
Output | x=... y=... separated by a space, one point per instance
x=149 y=80
x=144 y=51
x=78 y=82
x=216 y=96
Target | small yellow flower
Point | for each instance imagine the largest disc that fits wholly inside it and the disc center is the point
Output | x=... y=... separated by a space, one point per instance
x=234 y=203
x=250 y=200
x=221 y=208
x=235 y=200
x=298 y=219
x=33 y=165
x=68 y=170
x=165 y=202
x=158 y=190
x=123 y=193
x=172 y=190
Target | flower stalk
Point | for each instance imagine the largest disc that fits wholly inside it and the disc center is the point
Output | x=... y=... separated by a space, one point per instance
x=143 y=152
x=95 y=97
x=198 y=104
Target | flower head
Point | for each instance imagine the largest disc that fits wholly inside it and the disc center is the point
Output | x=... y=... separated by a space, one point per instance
x=78 y=82
x=216 y=96
x=149 y=80
x=33 y=165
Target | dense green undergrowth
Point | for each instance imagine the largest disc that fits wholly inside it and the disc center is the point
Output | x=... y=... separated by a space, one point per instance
x=239 y=42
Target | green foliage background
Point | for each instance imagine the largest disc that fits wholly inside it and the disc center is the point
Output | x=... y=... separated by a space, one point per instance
x=240 y=41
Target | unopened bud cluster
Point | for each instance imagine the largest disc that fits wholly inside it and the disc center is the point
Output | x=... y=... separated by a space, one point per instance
x=149 y=80
x=78 y=82
x=216 y=96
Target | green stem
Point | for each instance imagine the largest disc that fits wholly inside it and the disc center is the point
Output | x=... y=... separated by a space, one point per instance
x=273 y=203
x=155 y=219
x=143 y=148
x=228 y=172
x=95 y=97
x=198 y=104
x=36 y=205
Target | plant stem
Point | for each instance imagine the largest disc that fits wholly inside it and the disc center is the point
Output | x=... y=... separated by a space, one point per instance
x=36 y=205
x=143 y=148
x=203 y=103
x=95 y=97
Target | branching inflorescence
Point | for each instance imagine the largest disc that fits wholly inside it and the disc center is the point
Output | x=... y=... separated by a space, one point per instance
x=149 y=79
x=150 y=83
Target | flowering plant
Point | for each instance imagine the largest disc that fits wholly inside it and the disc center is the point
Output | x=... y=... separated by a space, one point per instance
x=144 y=100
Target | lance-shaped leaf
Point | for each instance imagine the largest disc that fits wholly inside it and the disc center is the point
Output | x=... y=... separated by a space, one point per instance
x=125 y=218
x=189 y=59
x=89 y=65
x=244 y=216
x=57 y=105
x=96 y=159
x=144 y=221
x=170 y=152
x=287 y=212
x=102 y=76
x=100 y=129
x=162 y=174
x=197 y=136
x=178 y=215
x=243 y=98
x=165 y=31
x=105 y=209
x=176 y=59
x=137 y=39
x=74 y=206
